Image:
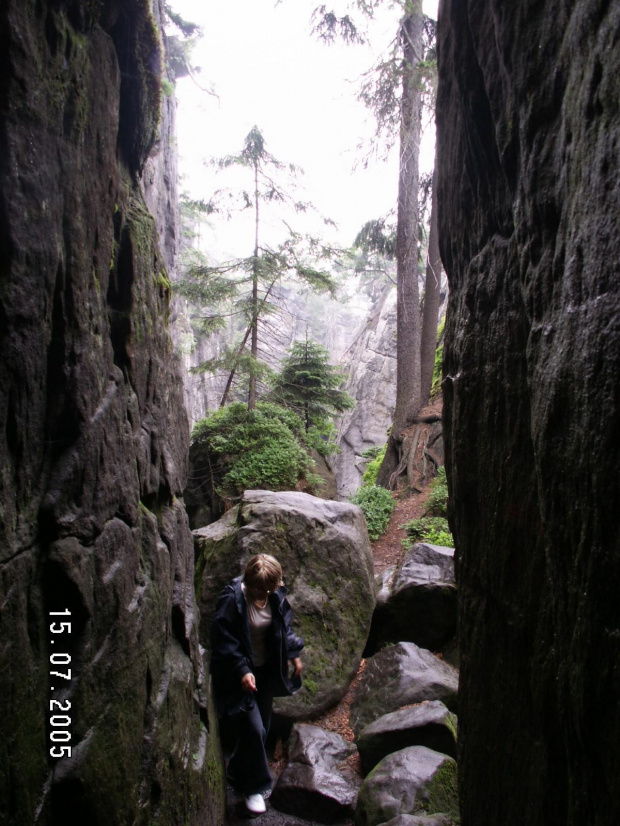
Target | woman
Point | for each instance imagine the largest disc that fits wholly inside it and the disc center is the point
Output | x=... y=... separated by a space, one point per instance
x=252 y=648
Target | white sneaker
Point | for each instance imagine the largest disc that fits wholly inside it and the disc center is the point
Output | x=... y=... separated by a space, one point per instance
x=255 y=803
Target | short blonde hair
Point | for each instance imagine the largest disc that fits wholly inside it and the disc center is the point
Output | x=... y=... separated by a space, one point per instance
x=263 y=572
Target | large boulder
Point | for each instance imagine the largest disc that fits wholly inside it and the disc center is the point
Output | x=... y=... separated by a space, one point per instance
x=400 y=675
x=317 y=784
x=325 y=554
x=529 y=224
x=416 y=781
x=428 y=724
x=418 y=603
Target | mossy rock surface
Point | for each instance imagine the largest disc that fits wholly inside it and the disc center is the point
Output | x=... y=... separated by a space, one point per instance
x=428 y=724
x=416 y=781
x=91 y=483
x=325 y=555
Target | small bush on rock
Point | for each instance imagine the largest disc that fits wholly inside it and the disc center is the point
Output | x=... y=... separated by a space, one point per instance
x=376 y=455
x=262 y=448
x=377 y=504
x=437 y=504
x=433 y=529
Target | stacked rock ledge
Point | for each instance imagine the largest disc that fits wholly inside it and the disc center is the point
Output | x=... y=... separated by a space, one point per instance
x=415 y=781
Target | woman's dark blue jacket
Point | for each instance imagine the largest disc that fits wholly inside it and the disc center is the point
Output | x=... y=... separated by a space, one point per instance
x=231 y=647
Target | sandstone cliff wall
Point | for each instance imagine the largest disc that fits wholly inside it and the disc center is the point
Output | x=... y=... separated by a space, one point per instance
x=529 y=200
x=93 y=441
x=370 y=364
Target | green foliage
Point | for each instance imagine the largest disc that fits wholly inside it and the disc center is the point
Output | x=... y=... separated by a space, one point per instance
x=437 y=503
x=322 y=439
x=246 y=288
x=167 y=87
x=372 y=257
x=308 y=384
x=372 y=452
x=377 y=504
x=372 y=469
x=376 y=236
x=262 y=448
x=328 y=27
x=431 y=529
x=438 y=368
x=187 y=28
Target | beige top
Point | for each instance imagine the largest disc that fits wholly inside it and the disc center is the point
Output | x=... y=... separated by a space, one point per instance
x=259 y=620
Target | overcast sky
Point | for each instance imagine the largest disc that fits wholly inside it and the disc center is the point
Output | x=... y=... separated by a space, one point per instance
x=268 y=70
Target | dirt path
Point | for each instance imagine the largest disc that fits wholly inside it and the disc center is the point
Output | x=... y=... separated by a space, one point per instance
x=387 y=551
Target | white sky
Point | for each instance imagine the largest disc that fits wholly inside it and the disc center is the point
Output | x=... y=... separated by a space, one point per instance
x=269 y=70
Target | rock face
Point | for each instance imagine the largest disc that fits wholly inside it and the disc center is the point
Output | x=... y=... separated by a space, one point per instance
x=324 y=551
x=419 y=603
x=529 y=223
x=316 y=783
x=422 y=820
x=428 y=724
x=371 y=365
x=94 y=440
x=400 y=675
x=416 y=781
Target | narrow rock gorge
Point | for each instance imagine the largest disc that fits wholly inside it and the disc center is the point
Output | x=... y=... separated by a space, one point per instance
x=96 y=557
x=529 y=215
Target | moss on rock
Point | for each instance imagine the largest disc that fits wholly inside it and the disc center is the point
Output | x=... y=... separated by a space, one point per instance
x=325 y=556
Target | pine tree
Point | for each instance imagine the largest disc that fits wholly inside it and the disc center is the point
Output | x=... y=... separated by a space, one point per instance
x=250 y=281
x=396 y=90
x=309 y=385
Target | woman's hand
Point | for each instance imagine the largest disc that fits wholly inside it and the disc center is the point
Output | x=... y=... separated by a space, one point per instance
x=298 y=665
x=248 y=682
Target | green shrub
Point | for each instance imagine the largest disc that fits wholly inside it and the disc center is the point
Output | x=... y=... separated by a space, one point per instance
x=373 y=452
x=377 y=505
x=437 y=503
x=437 y=368
x=433 y=529
x=261 y=448
x=372 y=469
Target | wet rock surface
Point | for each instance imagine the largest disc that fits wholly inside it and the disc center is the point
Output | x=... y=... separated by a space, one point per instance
x=94 y=437
x=417 y=601
x=317 y=784
x=400 y=675
x=325 y=554
x=529 y=226
x=415 y=781
x=428 y=724
x=423 y=820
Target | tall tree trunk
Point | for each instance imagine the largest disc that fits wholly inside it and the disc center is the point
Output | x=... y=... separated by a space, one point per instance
x=231 y=376
x=408 y=297
x=254 y=344
x=430 y=313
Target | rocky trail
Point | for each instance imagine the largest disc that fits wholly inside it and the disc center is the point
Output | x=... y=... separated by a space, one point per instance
x=387 y=551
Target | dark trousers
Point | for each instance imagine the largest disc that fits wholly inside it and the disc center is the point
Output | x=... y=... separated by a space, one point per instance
x=248 y=767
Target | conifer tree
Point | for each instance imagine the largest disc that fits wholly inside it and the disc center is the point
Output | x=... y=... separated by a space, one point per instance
x=310 y=386
x=249 y=281
x=395 y=90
